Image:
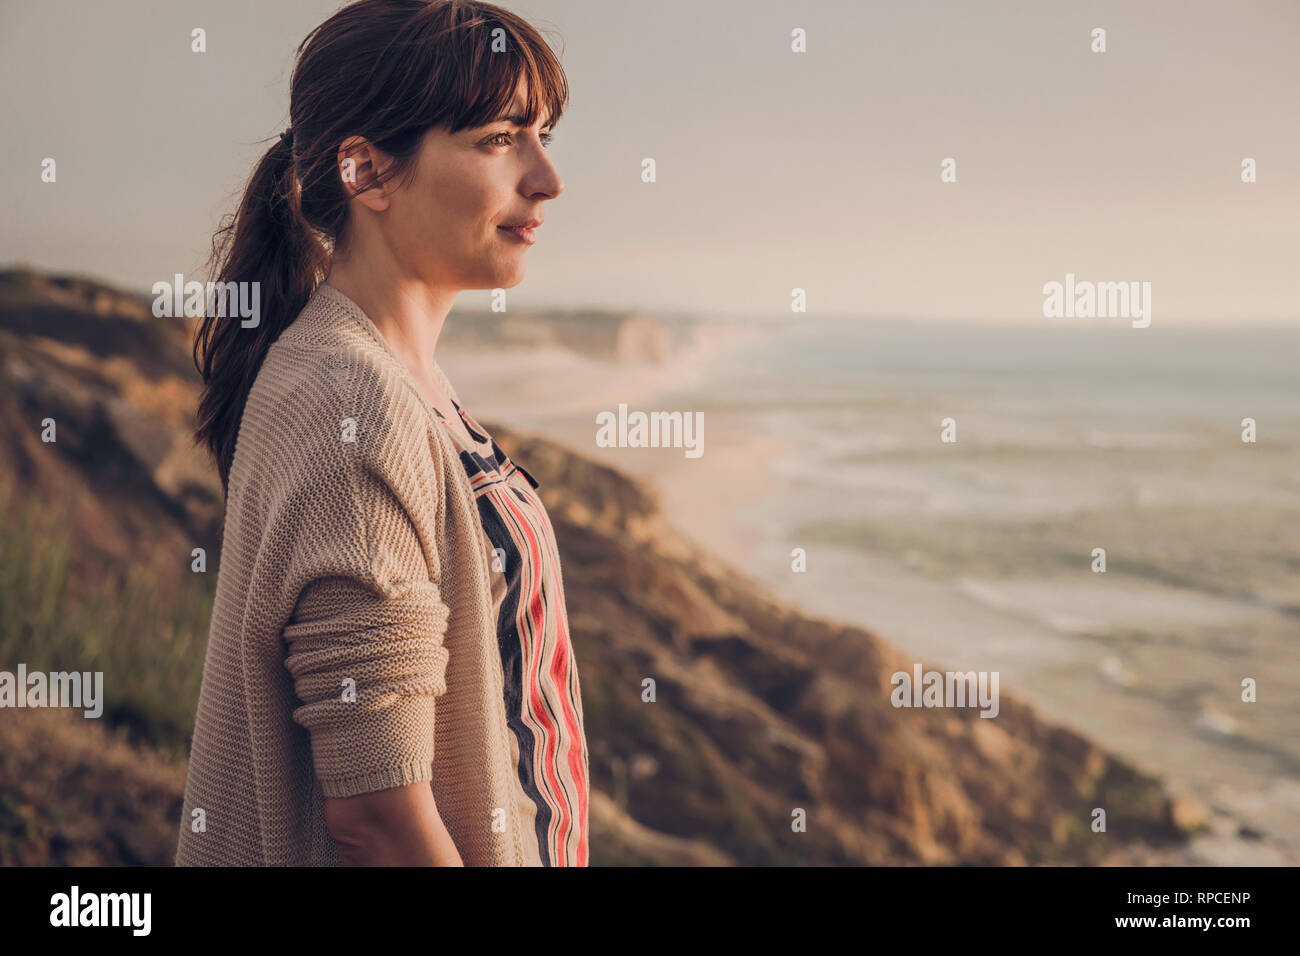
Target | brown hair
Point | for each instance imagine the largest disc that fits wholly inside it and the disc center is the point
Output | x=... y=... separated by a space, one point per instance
x=386 y=70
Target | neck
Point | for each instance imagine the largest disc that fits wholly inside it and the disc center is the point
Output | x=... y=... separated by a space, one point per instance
x=408 y=312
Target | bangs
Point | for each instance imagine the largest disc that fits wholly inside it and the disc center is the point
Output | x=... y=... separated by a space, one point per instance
x=482 y=84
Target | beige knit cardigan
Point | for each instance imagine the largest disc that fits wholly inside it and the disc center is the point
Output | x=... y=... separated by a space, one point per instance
x=353 y=646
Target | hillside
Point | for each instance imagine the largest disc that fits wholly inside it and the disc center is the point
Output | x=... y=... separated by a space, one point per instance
x=760 y=710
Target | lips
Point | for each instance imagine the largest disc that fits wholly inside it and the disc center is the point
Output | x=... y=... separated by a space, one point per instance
x=524 y=231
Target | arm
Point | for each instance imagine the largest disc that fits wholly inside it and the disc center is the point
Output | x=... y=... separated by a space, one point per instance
x=395 y=827
x=373 y=751
x=364 y=643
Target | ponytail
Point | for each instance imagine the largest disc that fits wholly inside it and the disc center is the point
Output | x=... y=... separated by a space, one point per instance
x=268 y=242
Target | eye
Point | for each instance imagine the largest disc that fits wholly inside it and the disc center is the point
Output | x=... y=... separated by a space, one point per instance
x=546 y=139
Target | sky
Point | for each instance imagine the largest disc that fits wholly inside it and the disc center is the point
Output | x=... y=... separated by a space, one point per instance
x=776 y=170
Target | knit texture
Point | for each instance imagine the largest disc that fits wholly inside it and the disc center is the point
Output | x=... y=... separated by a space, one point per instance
x=353 y=644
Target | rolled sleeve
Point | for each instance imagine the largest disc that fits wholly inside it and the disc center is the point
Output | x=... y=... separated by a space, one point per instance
x=368 y=663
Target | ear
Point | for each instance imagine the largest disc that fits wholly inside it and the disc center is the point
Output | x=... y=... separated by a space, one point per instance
x=359 y=163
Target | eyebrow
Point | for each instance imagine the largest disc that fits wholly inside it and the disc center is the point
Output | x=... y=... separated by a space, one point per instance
x=517 y=120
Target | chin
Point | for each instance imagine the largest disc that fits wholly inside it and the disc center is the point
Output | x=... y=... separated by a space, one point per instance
x=510 y=279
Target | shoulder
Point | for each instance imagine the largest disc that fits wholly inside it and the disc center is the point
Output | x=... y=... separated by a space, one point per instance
x=322 y=411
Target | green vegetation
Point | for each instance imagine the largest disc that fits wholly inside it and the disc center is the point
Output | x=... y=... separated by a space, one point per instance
x=148 y=643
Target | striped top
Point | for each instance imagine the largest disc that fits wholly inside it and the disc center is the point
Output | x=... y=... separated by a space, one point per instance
x=543 y=700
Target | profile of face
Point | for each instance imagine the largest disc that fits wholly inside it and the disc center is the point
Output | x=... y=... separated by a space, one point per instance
x=446 y=223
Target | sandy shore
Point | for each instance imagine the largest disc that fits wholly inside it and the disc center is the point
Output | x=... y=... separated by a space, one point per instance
x=713 y=499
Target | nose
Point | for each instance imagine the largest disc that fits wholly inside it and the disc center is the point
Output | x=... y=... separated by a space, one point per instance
x=543 y=181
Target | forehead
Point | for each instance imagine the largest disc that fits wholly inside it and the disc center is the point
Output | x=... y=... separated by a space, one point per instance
x=515 y=111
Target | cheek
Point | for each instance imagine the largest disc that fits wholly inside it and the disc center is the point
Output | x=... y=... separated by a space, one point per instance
x=461 y=214
x=454 y=211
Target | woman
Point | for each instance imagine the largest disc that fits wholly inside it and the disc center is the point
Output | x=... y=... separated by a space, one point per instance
x=389 y=677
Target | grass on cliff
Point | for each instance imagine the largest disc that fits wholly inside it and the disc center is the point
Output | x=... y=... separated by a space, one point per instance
x=148 y=641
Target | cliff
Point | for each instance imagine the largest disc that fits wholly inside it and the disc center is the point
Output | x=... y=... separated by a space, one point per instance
x=760 y=711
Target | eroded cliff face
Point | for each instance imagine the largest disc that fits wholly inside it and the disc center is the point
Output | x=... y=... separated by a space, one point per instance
x=761 y=713
x=120 y=390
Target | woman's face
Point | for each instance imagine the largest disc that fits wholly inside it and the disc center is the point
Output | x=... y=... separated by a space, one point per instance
x=445 y=225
